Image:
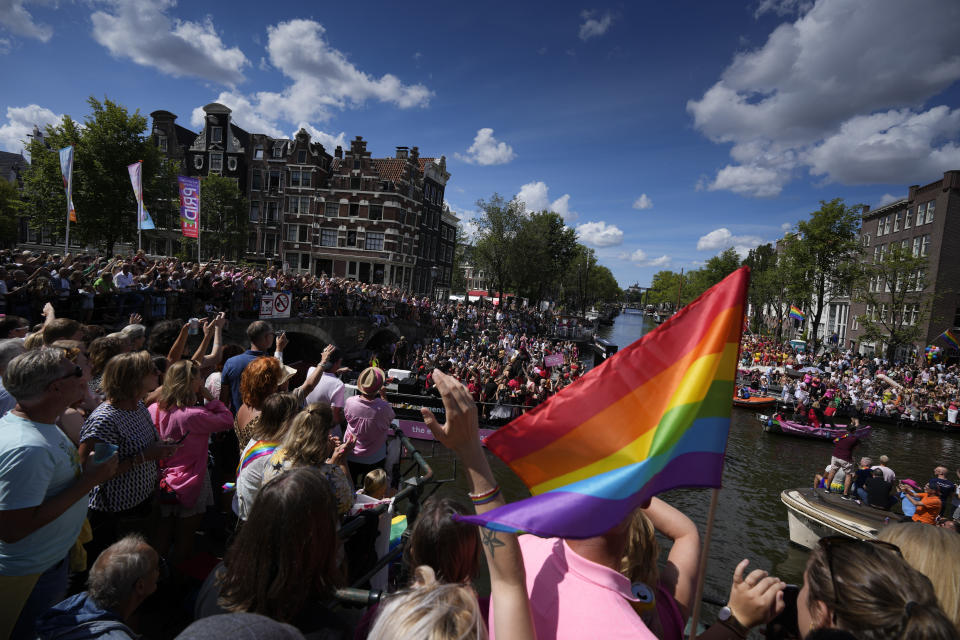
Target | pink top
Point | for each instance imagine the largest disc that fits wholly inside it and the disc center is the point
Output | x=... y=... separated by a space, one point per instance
x=185 y=471
x=368 y=421
x=570 y=595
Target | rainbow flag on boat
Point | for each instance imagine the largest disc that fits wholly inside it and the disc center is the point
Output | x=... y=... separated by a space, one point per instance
x=797 y=313
x=653 y=417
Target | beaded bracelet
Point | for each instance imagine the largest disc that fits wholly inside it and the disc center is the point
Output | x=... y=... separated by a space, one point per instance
x=485 y=497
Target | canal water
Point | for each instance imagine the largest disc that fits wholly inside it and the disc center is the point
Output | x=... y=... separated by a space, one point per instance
x=751 y=521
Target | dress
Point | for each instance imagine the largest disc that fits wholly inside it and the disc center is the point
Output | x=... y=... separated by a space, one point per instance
x=185 y=471
x=339 y=483
x=132 y=431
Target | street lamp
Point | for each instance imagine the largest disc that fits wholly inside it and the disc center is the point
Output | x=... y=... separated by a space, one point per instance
x=434 y=271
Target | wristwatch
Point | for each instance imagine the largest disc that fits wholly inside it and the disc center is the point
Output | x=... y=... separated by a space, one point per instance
x=726 y=618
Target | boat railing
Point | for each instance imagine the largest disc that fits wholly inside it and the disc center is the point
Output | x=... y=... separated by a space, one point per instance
x=412 y=490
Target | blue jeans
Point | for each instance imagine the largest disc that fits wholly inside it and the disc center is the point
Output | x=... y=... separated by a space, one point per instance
x=50 y=589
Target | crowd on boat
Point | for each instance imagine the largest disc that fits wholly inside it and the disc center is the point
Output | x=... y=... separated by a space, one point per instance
x=846 y=384
x=116 y=449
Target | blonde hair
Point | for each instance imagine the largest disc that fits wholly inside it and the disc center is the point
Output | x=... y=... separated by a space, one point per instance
x=33 y=341
x=178 y=385
x=430 y=610
x=307 y=440
x=934 y=552
x=639 y=562
x=375 y=482
x=123 y=376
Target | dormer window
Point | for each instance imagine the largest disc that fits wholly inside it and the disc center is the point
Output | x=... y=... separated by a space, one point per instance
x=258 y=153
x=301 y=157
x=278 y=151
x=162 y=142
x=216 y=134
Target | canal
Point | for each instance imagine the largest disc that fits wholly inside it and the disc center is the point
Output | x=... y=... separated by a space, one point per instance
x=751 y=521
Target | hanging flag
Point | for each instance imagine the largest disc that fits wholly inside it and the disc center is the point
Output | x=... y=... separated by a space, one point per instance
x=66 y=169
x=189 y=205
x=653 y=417
x=144 y=221
x=796 y=313
x=949 y=337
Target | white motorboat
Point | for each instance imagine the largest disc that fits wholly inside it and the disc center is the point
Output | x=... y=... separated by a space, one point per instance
x=814 y=513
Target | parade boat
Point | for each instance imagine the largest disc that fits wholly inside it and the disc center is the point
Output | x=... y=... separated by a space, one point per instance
x=814 y=513
x=777 y=424
x=754 y=402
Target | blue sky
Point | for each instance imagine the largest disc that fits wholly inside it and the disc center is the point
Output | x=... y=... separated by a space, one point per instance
x=663 y=132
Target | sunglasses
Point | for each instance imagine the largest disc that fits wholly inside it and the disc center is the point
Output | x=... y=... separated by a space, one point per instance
x=830 y=543
x=76 y=373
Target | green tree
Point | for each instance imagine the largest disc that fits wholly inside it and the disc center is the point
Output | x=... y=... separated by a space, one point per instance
x=763 y=283
x=458 y=281
x=823 y=255
x=893 y=287
x=716 y=269
x=10 y=206
x=665 y=287
x=543 y=249
x=576 y=281
x=110 y=139
x=494 y=247
x=223 y=209
x=603 y=286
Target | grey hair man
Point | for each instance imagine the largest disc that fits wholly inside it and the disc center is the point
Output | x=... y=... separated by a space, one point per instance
x=122 y=577
x=43 y=487
x=9 y=349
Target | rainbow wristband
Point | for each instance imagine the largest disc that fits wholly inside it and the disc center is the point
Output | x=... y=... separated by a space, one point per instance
x=486 y=497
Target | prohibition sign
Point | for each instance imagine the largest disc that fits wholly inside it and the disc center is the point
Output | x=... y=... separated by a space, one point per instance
x=281 y=303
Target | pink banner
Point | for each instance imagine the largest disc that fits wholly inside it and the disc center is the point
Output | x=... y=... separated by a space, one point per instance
x=189 y=205
x=419 y=431
x=553 y=360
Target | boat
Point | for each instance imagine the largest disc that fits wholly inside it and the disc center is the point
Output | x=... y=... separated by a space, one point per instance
x=777 y=424
x=814 y=513
x=754 y=402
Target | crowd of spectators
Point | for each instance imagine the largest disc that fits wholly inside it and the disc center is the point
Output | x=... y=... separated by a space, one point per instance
x=118 y=449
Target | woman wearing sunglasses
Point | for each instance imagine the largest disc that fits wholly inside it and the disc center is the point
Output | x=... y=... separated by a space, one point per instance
x=868 y=589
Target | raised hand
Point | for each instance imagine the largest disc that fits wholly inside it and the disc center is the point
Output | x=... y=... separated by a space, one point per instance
x=461 y=431
x=135 y=318
x=756 y=599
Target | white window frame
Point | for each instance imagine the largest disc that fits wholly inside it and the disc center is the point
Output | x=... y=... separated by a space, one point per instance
x=325 y=233
x=930 y=210
x=373 y=235
x=216 y=161
x=216 y=134
x=231 y=163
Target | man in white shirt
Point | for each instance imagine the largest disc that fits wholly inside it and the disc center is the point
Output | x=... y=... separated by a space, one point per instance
x=330 y=389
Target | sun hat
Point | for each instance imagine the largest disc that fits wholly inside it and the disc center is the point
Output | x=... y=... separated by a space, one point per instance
x=286 y=374
x=910 y=483
x=370 y=381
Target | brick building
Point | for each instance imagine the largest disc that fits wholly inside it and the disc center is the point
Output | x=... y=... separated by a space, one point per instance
x=379 y=220
x=927 y=222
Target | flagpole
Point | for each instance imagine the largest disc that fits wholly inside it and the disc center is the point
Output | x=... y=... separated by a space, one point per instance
x=704 y=555
x=66 y=243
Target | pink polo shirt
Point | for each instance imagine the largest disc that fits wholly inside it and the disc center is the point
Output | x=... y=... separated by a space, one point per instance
x=573 y=598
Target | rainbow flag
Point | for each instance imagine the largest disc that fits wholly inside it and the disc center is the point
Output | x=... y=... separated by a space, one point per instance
x=653 y=417
x=949 y=337
x=796 y=313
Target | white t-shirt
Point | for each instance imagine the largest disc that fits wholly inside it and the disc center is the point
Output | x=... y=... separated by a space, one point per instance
x=329 y=389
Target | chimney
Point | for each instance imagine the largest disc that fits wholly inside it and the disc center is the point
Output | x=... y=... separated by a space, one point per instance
x=402 y=153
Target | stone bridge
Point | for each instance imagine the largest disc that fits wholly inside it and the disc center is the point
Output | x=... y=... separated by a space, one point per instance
x=356 y=336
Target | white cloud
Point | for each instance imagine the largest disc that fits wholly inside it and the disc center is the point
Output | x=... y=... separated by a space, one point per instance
x=786 y=226
x=143 y=32
x=600 y=234
x=535 y=197
x=18 y=21
x=886 y=199
x=639 y=258
x=643 y=202
x=721 y=238
x=5 y=46
x=487 y=150
x=329 y=141
x=783 y=7
x=592 y=26
x=20 y=121
x=825 y=78
x=323 y=77
x=759 y=182
x=244 y=114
